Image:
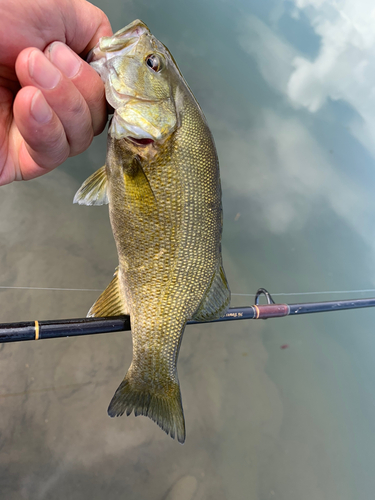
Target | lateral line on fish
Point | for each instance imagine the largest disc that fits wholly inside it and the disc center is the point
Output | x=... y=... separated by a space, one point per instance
x=237 y=294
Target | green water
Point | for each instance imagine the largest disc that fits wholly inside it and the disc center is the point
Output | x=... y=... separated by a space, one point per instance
x=287 y=91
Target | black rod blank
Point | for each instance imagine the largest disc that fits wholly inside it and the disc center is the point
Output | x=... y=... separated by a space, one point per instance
x=37 y=330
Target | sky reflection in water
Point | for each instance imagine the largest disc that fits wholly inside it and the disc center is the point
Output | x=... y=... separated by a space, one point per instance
x=287 y=88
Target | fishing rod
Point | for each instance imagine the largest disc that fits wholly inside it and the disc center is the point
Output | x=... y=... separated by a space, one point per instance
x=38 y=330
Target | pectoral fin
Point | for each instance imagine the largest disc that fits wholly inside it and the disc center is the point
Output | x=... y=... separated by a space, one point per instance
x=111 y=302
x=139 y=193
x=217 y=298
x=94 y=190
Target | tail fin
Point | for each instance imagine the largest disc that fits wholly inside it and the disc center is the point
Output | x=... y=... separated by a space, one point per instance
x=163 y=406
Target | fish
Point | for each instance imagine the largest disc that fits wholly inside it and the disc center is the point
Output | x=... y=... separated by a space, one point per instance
x=162 y=183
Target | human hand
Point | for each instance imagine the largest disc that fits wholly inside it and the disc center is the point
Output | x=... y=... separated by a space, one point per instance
x=52 y=102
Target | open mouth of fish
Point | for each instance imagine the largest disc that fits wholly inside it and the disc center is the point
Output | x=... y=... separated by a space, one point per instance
x=141 y=142
x=122 y=44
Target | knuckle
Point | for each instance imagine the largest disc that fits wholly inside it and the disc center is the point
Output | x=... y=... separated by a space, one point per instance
x=80 y=142
x=53 y=150
x=77 y=107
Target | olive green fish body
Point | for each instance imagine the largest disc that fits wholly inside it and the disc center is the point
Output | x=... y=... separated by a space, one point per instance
x=164 y=195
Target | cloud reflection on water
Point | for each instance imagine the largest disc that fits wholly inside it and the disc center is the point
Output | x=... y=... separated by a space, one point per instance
x=345 y=66
x=291 y=171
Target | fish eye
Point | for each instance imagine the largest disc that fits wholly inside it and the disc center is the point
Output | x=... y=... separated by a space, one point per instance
x=154 y=62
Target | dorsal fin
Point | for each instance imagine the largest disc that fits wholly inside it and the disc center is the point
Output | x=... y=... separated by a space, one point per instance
x=111 y=302
x=94 y=190
x=217 y=298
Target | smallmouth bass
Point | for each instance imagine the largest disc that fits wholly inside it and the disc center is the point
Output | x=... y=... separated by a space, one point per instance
x=161 y=180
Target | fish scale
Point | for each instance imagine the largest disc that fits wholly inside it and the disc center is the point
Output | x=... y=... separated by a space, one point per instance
x=162 y=182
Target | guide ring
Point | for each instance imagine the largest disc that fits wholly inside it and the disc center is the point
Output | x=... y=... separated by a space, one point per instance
x=263 y=291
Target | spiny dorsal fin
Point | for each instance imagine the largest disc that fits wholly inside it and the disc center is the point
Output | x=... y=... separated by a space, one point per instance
x=217 y=298
x=94 y=190
x=111 y=302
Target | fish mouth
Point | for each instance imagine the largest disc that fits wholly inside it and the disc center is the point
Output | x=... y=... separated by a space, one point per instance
x=141 y=142
x=134 y=29
x=118 y=44
x=124 y=98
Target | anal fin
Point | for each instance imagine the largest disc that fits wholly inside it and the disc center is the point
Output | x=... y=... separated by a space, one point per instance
x=217 y=298
x=111 y=302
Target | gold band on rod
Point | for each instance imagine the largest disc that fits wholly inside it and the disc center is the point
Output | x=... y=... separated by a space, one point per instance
x=36 y=330
x=257 y=311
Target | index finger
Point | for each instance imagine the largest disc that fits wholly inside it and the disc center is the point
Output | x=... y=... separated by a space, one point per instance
x=86 y=80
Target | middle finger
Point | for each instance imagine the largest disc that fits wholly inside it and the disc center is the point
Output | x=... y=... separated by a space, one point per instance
x=33 y=68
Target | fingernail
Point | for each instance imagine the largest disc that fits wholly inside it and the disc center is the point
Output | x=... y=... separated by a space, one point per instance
x=43 y=72
x=40 y=109
x=64 y=58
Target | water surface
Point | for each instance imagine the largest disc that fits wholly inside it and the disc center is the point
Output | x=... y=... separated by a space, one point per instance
x=286 y=87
